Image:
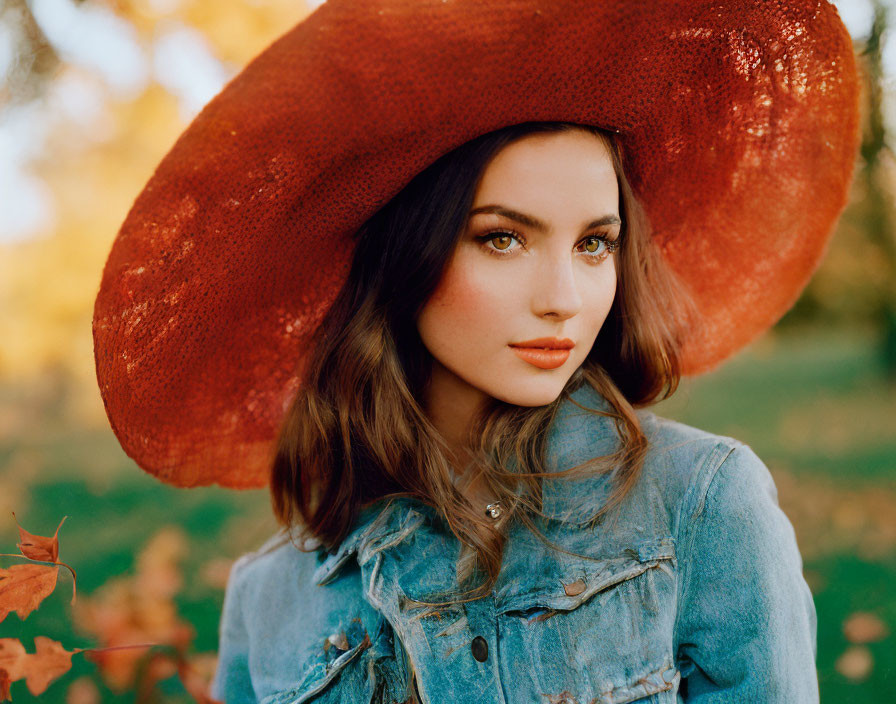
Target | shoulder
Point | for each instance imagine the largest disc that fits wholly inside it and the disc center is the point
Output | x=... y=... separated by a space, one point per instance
x=281 y=575
x=667 y=435
x=702 y=458
x=683 y=451
x=281 y=555
x=726 y=497
x=693 y=462
x=679 y=463
x=270 y=583
x=726 y=504
x=264 y=568
x=673 y=448
x=741 y=591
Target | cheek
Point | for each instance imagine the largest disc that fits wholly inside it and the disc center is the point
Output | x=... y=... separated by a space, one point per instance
x=455 y=292
x=461 y=297
x=608 y=286
x=464 y=308
x=598 y=301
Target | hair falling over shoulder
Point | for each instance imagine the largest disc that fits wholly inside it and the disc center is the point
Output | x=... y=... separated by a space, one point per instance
x=356 y=431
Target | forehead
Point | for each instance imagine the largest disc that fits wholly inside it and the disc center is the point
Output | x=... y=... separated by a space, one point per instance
x=553 y=172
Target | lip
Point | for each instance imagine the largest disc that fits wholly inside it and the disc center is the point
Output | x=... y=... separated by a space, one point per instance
x=541 y=357
x=551 y=343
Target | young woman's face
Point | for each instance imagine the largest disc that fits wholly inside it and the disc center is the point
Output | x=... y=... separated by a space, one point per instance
x=532 y=263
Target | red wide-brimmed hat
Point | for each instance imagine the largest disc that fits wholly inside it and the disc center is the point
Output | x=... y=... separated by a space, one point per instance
x=739 y=126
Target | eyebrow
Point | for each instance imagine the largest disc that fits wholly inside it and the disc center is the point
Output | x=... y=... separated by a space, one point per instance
x=535 y=223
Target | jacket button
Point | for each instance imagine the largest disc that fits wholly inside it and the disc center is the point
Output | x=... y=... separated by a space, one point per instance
x=479 y=648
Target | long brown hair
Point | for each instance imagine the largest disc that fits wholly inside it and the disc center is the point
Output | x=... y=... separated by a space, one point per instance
x=356 y=432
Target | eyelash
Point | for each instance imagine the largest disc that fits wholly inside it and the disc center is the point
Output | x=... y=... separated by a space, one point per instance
x=611 y=245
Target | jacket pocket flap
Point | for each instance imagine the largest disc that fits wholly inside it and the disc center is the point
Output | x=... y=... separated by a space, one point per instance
x=573 y=580
x=319 y=673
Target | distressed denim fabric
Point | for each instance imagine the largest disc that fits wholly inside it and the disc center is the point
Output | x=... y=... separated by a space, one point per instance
x=692 y=591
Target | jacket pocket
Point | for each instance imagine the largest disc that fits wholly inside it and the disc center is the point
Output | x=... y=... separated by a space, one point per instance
x=354 y=667
x=342 y=648
x=570 y=581
x=597 y=630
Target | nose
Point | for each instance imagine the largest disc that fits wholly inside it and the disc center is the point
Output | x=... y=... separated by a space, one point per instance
x=555 y=290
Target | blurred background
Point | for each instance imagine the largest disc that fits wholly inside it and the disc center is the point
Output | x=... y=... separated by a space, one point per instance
x=95 y=92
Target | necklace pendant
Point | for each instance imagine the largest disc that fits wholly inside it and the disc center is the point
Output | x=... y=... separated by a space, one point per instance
x=494 y=510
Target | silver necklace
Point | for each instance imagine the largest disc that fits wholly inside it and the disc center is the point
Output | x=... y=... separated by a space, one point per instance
x=494 y=510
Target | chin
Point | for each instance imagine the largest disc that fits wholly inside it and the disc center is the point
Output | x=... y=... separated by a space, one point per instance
x=539 y=395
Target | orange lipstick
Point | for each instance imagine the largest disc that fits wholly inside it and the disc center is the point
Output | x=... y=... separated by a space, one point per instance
x=544 y=352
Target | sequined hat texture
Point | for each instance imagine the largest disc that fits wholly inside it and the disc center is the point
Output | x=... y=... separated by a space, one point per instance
x=738 y=120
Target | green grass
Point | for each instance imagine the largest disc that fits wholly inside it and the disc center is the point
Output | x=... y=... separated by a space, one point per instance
x=815 y=403
x=852 y=585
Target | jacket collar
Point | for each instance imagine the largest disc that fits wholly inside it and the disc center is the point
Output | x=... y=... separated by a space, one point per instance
x=373 y=522
x=575 y=436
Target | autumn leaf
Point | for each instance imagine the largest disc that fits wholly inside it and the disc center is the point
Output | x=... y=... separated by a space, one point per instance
x=125 y=610
x=12 y=655
x=195 y=673
x=49 y=661
x=24 y=587
x=42 y=549
x=40 y=668
x=155 y=668
x=38 y=547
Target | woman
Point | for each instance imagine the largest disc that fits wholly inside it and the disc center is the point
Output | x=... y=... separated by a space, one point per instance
x=456 y=429
x=440 y=319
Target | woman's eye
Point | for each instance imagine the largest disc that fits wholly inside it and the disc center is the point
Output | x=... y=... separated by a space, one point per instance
x=594 y=242
x=501 y=241
x=593 y=246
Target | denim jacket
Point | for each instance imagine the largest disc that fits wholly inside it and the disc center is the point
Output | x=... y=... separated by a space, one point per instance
x=693 y=593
